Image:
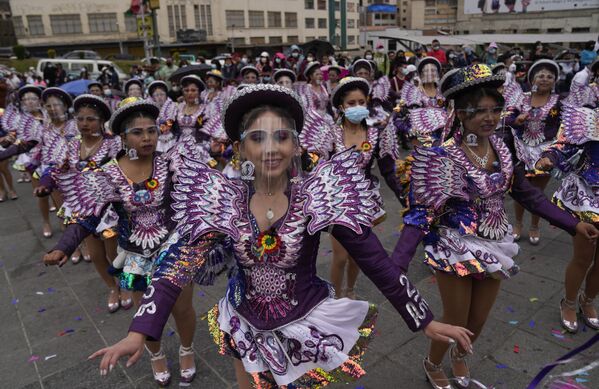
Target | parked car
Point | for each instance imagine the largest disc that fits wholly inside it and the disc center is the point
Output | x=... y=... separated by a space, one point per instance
x=82 y=54
x=74 y=66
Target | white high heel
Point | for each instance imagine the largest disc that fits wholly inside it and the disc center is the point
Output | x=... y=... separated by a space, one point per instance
x=187 y=375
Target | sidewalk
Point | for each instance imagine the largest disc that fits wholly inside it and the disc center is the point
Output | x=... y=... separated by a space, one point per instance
x=54 y=318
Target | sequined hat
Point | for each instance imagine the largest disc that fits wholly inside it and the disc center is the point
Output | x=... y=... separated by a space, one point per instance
x=346 y=84
x=131 y=82
x=458 y=81
x=138 y=105
x=361 y=64
x=215 y=73
x=542 y=64
x=427 y=60
x=256 y=95
x=193 y=79
x=97 y=102
x=283 y=72
x=249 y=68
x=312 y=66
x=29 y=88
x=61 y=94
x=157 y=84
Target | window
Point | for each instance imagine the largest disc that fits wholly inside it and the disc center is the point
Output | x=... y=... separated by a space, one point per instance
x=309 y=4
x=203 y=17
x=351 y=40
x=275 y=39
x=17 y=22
x=177 y=18
x=274 y=19
x=256 y=19
x=290 y=19
x=171 y=21
x=36 y=25
x=65 y=24
x=430 y=11
x=235 y=18
x=323 y=38
x=293 y=39
x=238 y=41
x=102 y=22
x=322 y=23
x=351 y=23
x=257 y=40
x=429 y=3
x=322 y=4
x=310 y=38
x=337 y=6
x=528 y=31
x=351 y=7
x=554 y=30
x=309 y=22
x=581 y=29
x=130 y=23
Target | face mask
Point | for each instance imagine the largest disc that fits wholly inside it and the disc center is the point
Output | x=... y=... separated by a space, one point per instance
x=436 y=47
x=266 y=80
x=356 y=114
x=368 y=56
x=175 y=89
x=310 y=59
x=244 y=60
x=295 y=55
x=380 y=50
x=278 y=60
x=107 y=92
x=512 y=68
x=404 y=71
x=492 y=51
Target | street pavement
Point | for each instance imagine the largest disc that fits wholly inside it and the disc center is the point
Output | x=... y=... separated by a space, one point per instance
x=54 y=318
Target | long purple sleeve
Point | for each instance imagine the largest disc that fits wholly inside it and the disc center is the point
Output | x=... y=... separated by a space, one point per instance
x=373 y=260
x=535 y=201
x=71 y=238
x=387 y=169
x=47 y=180
x=17 y=149
x=406 y=246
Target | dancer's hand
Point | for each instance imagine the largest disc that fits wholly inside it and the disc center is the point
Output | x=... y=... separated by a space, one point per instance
x=55 y=257
x=521 y=119
x=544 y=164
x=41 y=191
x=447 y=333
x=587 y=230
x=132 y=345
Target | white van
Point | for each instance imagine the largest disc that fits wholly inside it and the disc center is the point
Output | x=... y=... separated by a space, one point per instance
x=73 y=67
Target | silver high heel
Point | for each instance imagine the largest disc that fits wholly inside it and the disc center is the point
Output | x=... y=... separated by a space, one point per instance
x=162 y=378
x=430 y=367
x=187 y=375
x=584 y=301
x=461 y=382
x=570 y=326
x=518 y=235
x=534 y=240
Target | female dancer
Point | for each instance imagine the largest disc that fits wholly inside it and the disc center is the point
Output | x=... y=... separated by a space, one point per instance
x=87 y=151
x=138 y=184
x=134 y=88
x=350 y=98
x=456 y=202
x=576 y=153
x=157 y=91
x=535 y=123
x=584 y=90
x=277 y=319
x=314 y=92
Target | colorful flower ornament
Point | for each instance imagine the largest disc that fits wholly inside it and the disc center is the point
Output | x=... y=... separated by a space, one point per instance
x=268 y=243
x=152 y=184
x=366 y=147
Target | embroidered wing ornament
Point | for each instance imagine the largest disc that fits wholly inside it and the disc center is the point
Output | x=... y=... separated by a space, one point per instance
x=580 y=125
x=316 y=134
x=87 y=192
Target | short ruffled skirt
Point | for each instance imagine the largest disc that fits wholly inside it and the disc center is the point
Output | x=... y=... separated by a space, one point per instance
x=471 y=255
x=325 y=346
x=529 y=155
x=576 y=196
x=22 y=161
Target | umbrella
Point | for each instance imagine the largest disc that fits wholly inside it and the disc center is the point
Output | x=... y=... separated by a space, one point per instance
x=199 y=70
x=76 y=88
x=318 y=47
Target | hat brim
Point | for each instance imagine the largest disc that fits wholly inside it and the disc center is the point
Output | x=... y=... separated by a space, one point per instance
x=542 y=64
x=131 y=82
x=284 y=72
x=30 y=88
x=193 y=79
x=157 y=84
x=341 y=89
x=64 y=96
x=426 y=61
x=94 y=101
x=494 y=81
x=256 y=95
x=121 y=114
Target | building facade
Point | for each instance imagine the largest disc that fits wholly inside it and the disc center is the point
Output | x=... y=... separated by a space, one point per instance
x=7 y=31
x=234 y=23
x=427 y=15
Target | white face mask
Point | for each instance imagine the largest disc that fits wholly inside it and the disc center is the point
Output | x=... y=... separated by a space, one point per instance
x=295 y=55
x=310 y=59
x=369 y=56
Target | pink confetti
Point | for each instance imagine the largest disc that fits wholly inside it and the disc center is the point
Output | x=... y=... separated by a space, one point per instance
x=33 y=358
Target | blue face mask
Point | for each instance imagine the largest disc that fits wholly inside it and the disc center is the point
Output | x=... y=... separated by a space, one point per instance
x=356 y=114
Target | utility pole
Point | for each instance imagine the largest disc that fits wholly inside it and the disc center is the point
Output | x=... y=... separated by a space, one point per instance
x=343 y=18
x=155 y=31
x=332 y=23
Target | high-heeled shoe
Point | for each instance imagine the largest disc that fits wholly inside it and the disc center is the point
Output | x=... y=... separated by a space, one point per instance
x=47 y=231
x=162 y=378
x=126 y=303
x=76 y=258
x=113 y=307
x=534 y=240
x=570 y=326
x=187 y=375
x=429 y=368
x=584 y=301
x=461 y=382
x=517 y=231
x=13 y=195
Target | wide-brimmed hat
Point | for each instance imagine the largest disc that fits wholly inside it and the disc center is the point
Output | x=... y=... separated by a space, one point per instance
x=346 y=84
x=92 y=100
x=499 y=66
x=426 y=60
x=157 y=84
x=361 y=63
x=284 y=72
x=312 y=66
x=94 y=83
x=542 y=64
x=458 y=81
x=61 y=94
x=29 y=88
x=132 y=81
x=249 y=68
x=255 y=95
x=139 y=105
x=216 y=74
x=193 y=79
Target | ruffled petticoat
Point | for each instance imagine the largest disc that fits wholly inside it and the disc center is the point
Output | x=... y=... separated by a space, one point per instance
x=23 y=160
x=166 y=142
x=576 y=196
x=326 y=346
x=529 y=155
x=471 y=255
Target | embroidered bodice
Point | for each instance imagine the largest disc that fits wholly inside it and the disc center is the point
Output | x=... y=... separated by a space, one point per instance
x=108 y=149
x=413 y=96
x=189 y=123
x=55 y=142
x=542 y=123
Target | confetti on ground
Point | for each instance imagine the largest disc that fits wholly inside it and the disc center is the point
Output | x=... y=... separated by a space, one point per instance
x=533 y=299
x=559 y=336
x=78 y=318
x=171 y=333
x=51 y=290
x=501 y=366
x=531 y=324
x=15 y=301
x=201 y=293
x=65 y=332
x=39 y=293
x=516 y=349
x=581 y=380
x=50 y=357
x=513 y=322
x=33 y=358
x=510 y=309
x=41 y=310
